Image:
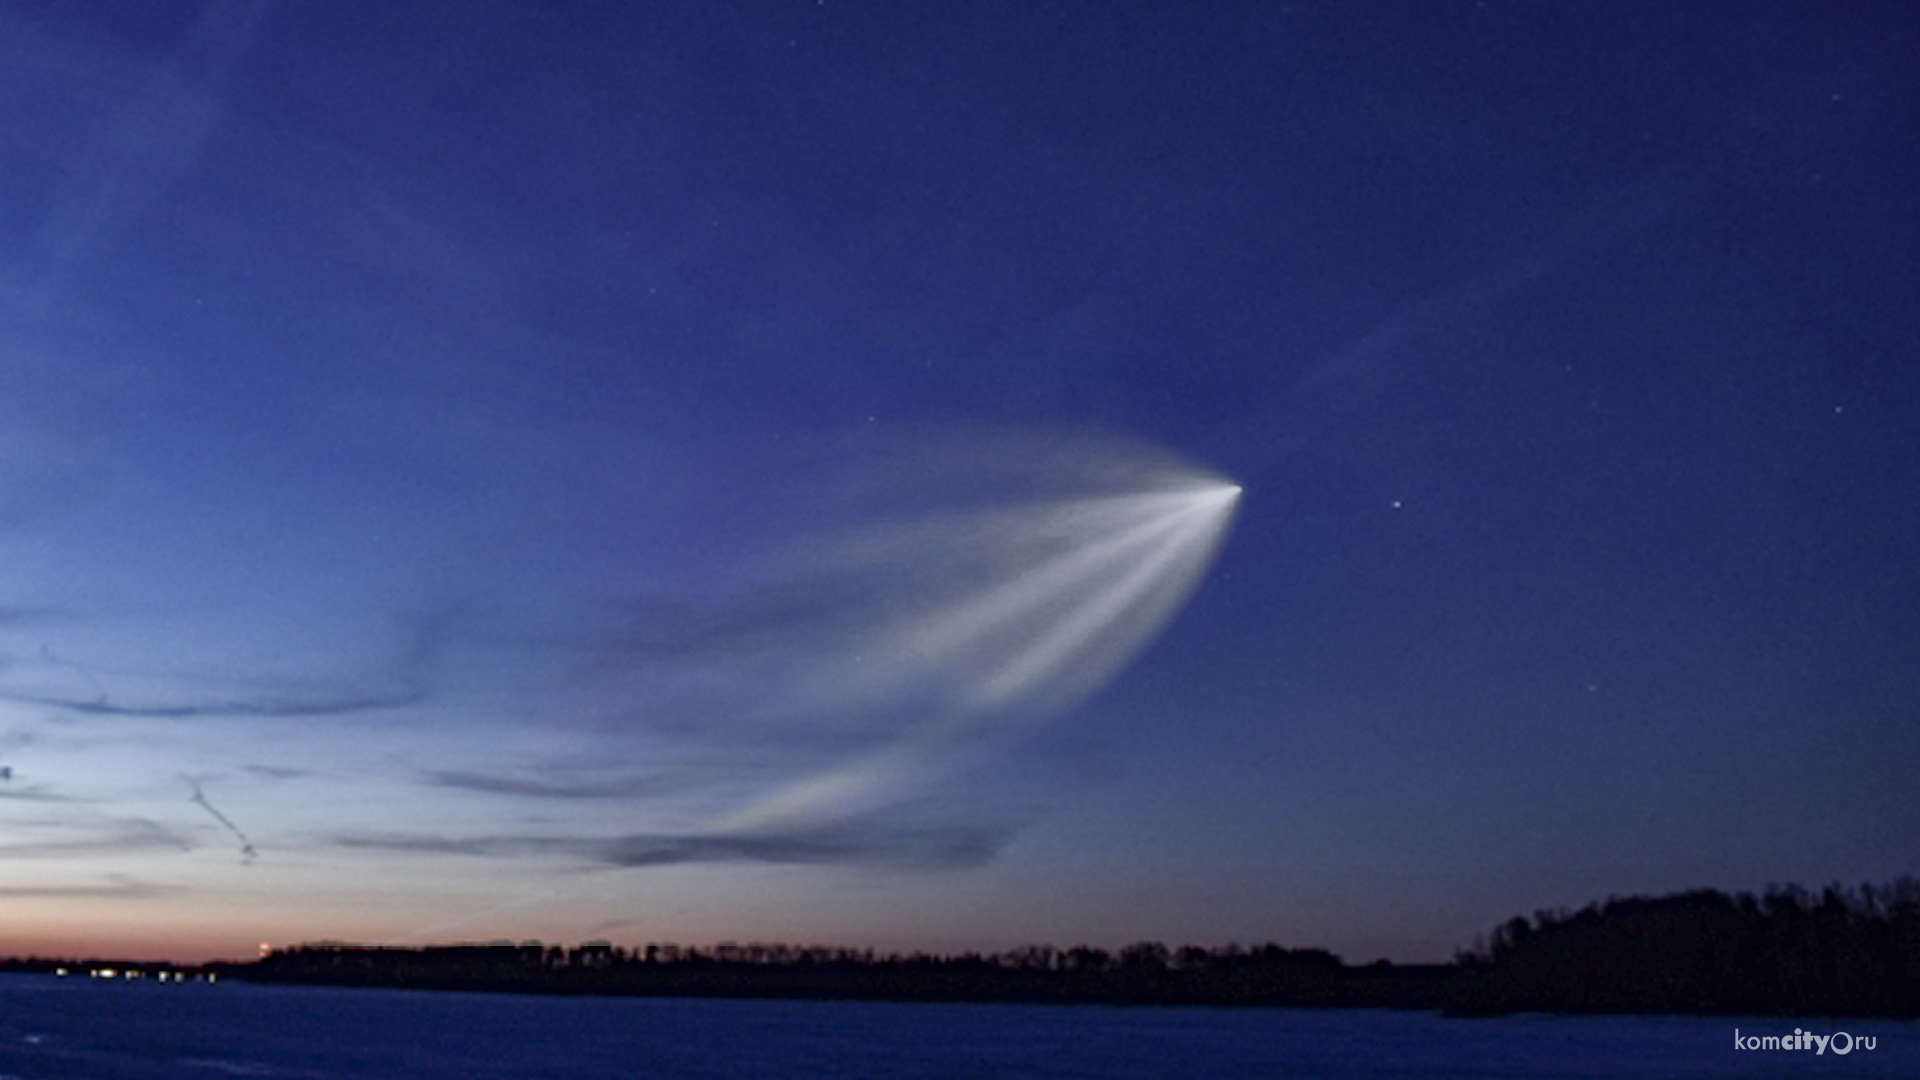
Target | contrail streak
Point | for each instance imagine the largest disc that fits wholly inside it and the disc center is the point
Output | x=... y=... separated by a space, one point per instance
x=247 y=853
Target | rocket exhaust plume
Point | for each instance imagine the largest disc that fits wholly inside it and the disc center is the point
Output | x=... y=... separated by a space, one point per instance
x=921 y=603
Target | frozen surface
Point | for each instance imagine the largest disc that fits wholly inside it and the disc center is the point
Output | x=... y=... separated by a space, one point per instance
x=72 y=1027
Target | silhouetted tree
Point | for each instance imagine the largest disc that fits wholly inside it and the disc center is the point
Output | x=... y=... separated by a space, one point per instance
x=1786 y=952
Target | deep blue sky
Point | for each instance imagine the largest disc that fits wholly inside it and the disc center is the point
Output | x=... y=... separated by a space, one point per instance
x=476 y=470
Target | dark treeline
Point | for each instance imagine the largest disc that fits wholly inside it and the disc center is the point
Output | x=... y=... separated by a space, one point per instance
x=1787 y=952
x=1143 y=973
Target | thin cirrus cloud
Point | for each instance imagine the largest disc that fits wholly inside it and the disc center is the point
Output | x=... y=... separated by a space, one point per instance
x=88 y=839
x=164 y=116
x=845 y=844
x=264 y=706
x=31 y=792
x=17 y=615
x=500 y=784
x=109 y=887
x=49 y=681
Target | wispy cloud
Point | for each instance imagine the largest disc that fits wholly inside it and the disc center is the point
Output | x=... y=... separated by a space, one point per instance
x=85 y=839
x=116 y=690
x=167 y=112
x=498 y=784
x=929 y=848
x=16 y=615
x=915 y=847
x=272 y=706
x=1616 y=214
x=111 y=887
x=31 y=792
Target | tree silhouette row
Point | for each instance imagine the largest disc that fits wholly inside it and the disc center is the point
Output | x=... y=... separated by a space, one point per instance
x=1787 y=952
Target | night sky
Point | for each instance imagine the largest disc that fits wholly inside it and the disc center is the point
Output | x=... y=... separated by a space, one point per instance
x=949 y=476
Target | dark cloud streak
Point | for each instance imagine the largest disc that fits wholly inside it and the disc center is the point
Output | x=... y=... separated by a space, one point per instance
x=920 y=847
x=264 y=707
x=121 y=836
x=247 y=852
x=493 y=784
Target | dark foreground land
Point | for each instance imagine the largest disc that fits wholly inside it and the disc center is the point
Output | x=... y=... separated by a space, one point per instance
x=1789 y=952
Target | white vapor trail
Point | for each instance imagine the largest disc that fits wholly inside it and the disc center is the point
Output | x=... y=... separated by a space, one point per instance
x=971 y=620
